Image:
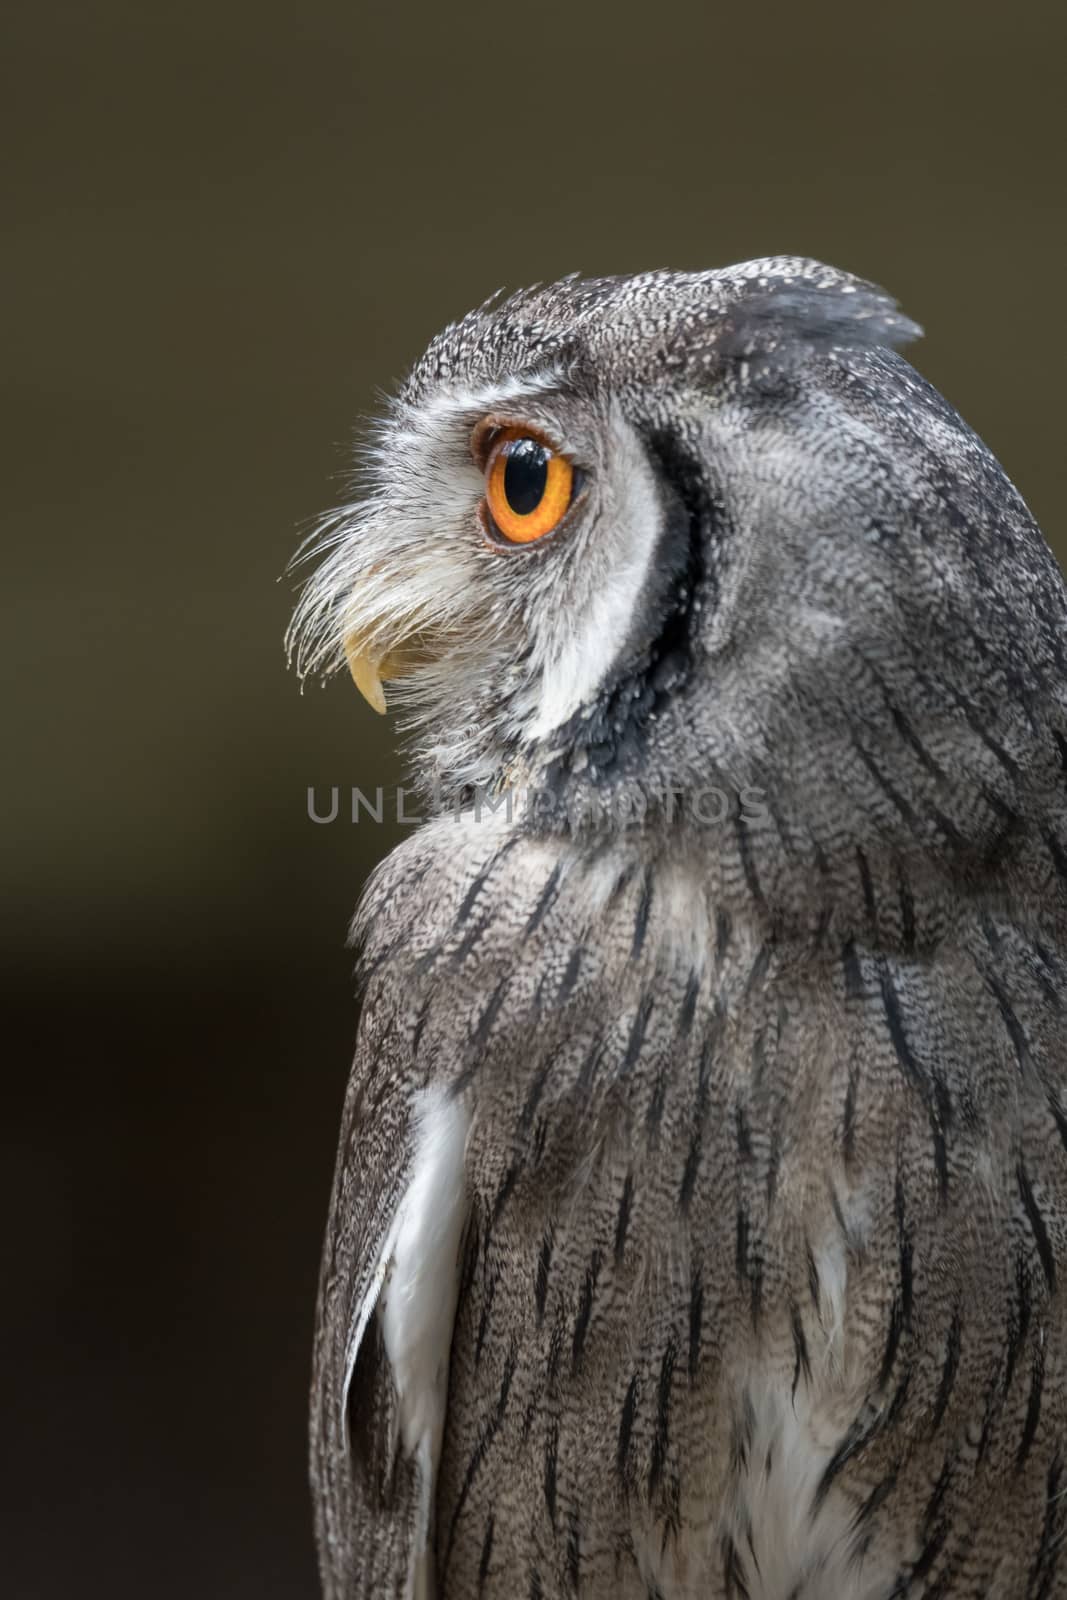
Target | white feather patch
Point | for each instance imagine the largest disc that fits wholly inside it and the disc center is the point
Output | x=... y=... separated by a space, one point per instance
x=585 y=645
x=418 y=1302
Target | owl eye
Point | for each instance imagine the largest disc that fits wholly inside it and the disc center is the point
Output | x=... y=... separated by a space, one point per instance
x=528 y=486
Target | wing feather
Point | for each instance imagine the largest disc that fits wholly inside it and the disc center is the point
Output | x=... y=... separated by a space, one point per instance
x=387 y=1298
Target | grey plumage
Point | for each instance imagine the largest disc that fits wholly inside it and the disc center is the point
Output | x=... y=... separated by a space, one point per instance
x=761 y=1211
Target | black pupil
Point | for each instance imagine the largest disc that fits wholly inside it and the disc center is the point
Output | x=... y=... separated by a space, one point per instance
x=525 y=476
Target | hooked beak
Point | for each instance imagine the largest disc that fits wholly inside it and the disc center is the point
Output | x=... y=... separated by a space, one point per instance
x=369 y=664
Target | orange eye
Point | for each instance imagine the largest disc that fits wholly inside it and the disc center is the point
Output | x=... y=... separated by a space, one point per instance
x=528 y=486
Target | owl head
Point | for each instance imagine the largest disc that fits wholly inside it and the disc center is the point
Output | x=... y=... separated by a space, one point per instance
x=661 y=534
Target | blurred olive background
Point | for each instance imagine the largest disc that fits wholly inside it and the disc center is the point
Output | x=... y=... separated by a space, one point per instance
x=227 y=229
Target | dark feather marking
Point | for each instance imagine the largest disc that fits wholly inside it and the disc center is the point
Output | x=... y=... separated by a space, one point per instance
x=801 y=1359
x=626 y=1428
x=892 y=794
x=545 y=899
x=781 y=827
x=898 y=1402
x=551 y=1464
x=852 y=1242
x=1033 y=1407
x=420 y=1023
x=850 y=962
x=813 y=1277
x=748 y=1264
x=939 y=1108
x=555 y=1350
x=657 y=1100
x=953 y=1346
x=1018 y=1321
x=1059 y=1116
x=481 y=878
x=932 y=1548
x=741 y=1435
x=848 y=1126
x=875 y=1500
x=481 y=1033
x=741 y=1243
x=759 y=1057
x=907 y=911
x=661 y=1436
x=1058 y=854
x=1037 y=1224
x=459 y=955
x=511 y=1177
x=742 y=1132
x=637 y=1035
x=911 y=738
x=722 y=934
x=589 y=1065
x=870 y=904
x=748 y=865
x=671 y=1511
x=536 y=1592
x=858 y=1435
x=570 y=975
x=536 y=1090
x=472 y=1249
x=892 y=1343
x=574 y=1548
x=585 y=1311
x=689 y=1003
x=1046 y=975
x=905 y=1250
x=1011 y=1022
x=993 y=1403
x=544 y=1261
x=977 y=726
x=733 y=1571
x=758 y=970
x=622 y=883
x=750 y=1540
x=774 y=1162
x=490 y=1428
x=891 y=1004
x=366 y=971
x=487 y=1554
x=696 y=1138
x=691 y=1169
x=622 y=1221
x=1043 y=1572
x=948 y=827
x=937 y=1499
x=696 y=1319
x=483 y=1320
x=644 y=908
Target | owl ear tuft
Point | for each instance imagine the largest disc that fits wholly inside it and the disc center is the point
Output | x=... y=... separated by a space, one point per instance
x=780 y=325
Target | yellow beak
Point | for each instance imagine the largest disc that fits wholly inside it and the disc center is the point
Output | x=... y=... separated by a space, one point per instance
x=366 y=674
x=368 y=667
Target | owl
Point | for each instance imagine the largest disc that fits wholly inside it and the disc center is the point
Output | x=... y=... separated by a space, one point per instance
x=699 y=1223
